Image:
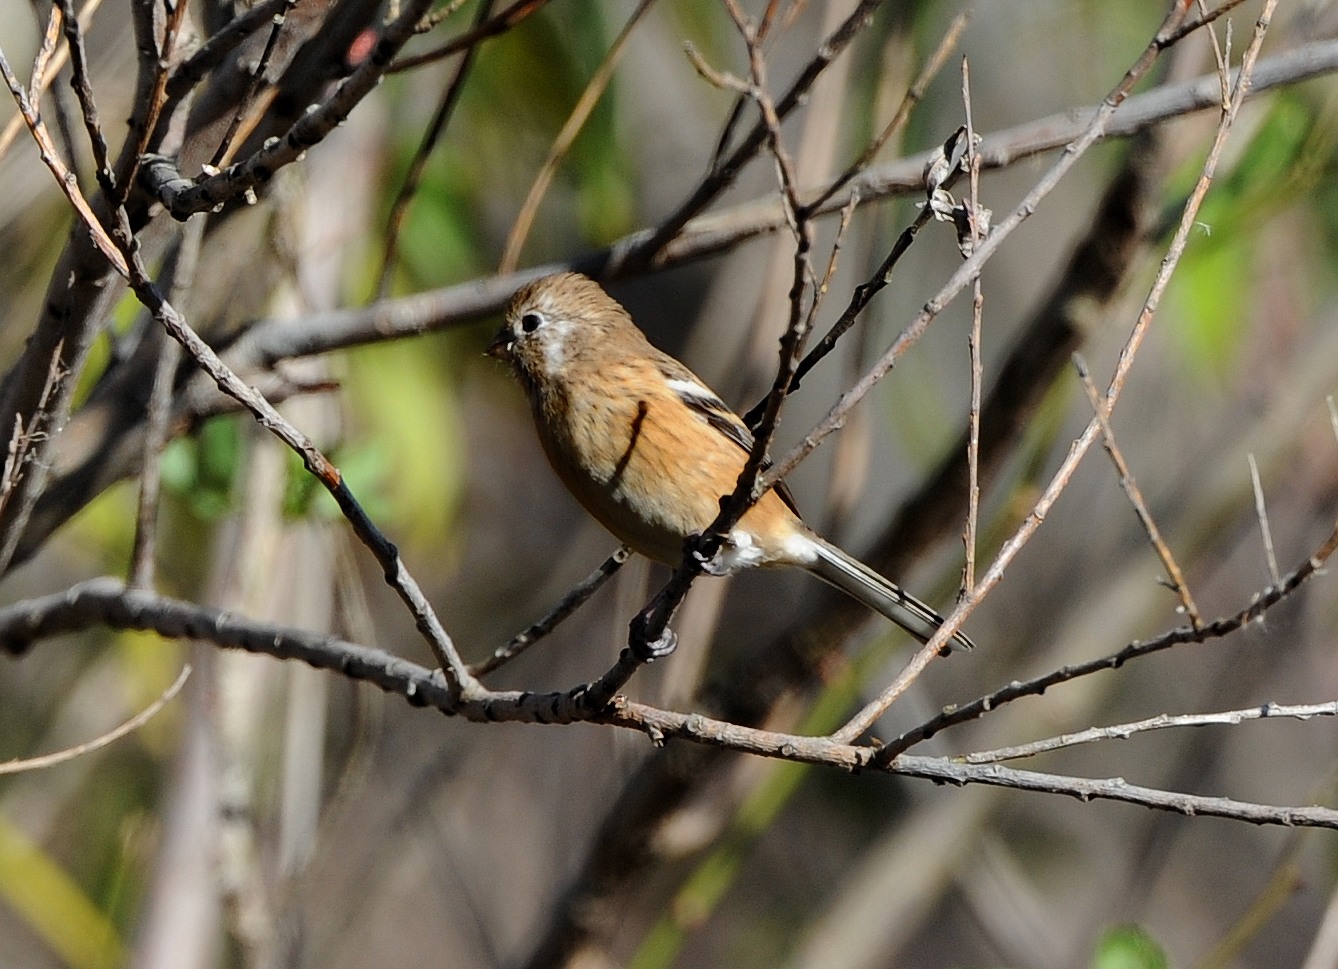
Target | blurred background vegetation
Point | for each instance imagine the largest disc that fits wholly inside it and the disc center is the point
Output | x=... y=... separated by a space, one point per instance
x=276 y=816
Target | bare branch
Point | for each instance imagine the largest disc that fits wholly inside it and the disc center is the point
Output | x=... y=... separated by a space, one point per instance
x=499 y=24
x=399 y=209
x=871 y=712
x=578 y=596
x=272 y=340
x=184 y=197
x=248 y=104
x=914 y=94
x=1261 y=513
x=108 y=602
x=1123 y=731
x=1135 y=495
x=652 y=250
x=66 y=179
x=976 y=232
x=1216 y=629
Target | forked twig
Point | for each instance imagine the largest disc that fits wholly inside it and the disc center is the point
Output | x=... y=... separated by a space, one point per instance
x=1059 y=482
x=1216 y=629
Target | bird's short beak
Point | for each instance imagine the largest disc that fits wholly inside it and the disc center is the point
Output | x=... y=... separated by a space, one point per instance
x=501 y=345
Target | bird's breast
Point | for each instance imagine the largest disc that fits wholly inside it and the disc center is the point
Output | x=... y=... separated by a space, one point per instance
x=652 y=473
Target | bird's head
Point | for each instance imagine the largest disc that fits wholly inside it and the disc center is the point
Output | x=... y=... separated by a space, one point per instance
x=556 y=322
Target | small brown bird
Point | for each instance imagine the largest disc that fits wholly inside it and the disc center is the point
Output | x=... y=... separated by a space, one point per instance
x=649 y=449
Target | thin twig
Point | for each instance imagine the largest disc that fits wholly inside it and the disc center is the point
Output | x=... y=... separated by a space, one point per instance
x=973 y=342
x=154 y=72
x=914 y=95
x=1135 y=496
x=83 y=89
x=578 y=596
x=413 y=178
x=1122 y=731
x=499 y=24
x=859 y=300
x=46 y=66
x=580 y=114
x=722 y=176
x=42 y=60
x=158 y=421
x=66 y=179
x=227 y=144
x=210 y=54
x=111 y=736
x=23 y=436
x=1202 y=20
x=1217 y=629
x=1261 y=512
x=1059 y=482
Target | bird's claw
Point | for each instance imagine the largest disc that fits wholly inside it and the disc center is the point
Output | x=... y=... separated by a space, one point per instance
x=648 y=650
x=703 y=549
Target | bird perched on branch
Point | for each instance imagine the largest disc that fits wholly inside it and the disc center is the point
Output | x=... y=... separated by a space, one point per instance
x=649 y=449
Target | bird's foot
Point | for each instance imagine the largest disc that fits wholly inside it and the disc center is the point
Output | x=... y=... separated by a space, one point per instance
x=646 y=649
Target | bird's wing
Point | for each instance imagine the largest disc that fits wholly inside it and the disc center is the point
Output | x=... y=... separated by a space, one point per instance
x=706 y=404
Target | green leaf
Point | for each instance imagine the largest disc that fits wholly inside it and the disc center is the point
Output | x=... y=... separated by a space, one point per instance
x=1128 y=947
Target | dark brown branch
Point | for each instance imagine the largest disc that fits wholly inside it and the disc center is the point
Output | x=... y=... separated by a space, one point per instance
x=578 y=596
x=108 y=602
x=183 y=197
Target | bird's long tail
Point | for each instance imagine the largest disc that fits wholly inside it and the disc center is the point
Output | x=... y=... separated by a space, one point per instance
x=862 y=583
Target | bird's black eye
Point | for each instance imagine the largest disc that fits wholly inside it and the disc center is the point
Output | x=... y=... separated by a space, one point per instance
x=530 y=322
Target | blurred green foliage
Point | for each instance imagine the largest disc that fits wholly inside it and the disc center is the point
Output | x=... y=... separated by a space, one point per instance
x=1275 y=173
x=53 y=905
x=500 y=134
x=1128 y=947
x=203 y=470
